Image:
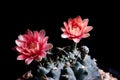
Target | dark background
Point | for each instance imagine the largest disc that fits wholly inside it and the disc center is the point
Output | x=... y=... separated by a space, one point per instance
x=103 y=42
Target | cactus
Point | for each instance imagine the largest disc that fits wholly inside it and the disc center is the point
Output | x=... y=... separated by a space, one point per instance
x=67 y=65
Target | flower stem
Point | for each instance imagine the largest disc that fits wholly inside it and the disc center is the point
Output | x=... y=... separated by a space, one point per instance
x=74 y=46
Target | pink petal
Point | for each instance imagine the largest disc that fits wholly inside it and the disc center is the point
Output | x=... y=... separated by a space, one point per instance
x=28 y=60
x=38 y=47
x=19 y=43
x=66 y=26
x=70 y=20
x=86 y=35
x=33 y=51
x=87 y=29
x=29 y=51
x=21 y=57
x=21 y=37
x=78 y=19
x=76 y=40
x=26 y=53
x=64 y=35
x=27 y=38
x=85 y=22
x=36 y=34
x=42 y=53
x=29 y=32
x=42 y=33
x=19 y=49
x=45 y=39
x=48 y=46
x=63 y=29
x=30 y=35
x=70 y=25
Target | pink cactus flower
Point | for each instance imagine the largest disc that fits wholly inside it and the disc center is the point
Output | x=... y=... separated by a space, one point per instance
x=32 y=46
x=76 y=29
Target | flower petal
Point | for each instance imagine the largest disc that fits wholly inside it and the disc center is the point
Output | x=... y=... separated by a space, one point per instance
x=19 y=43
x=66 y=26
x=37 y=47
x=45 y=39
x=42 y=54
x=21 y=57
x=85 y=22
x=64 y=35
x=27 y=38
x=63 y=29
x=42 y=33
x=48 y=46
x=29 y=32
x=36 y=34
x=76 y=40
x=87 y=29
x=26 y=53
x=28 y=60
x=86 y=35
x=78 y=19
x=19 y=49
x=21 y=37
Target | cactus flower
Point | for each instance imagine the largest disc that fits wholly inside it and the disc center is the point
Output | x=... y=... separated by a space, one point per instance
x=76 y=29
x=32 y=46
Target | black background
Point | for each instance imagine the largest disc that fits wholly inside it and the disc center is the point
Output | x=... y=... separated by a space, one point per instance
x=103 y=42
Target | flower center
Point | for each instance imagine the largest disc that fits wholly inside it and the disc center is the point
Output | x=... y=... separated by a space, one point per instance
x=75 y=31
x=32 y=45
